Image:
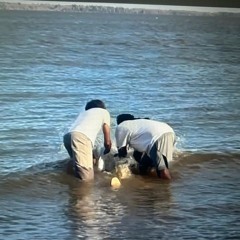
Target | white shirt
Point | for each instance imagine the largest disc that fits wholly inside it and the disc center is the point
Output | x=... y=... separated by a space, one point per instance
x=90 y=122
x=140 y=134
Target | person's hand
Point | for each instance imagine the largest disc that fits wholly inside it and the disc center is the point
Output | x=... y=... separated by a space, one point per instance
x=122 y=152
x=106 y=151
x=107 y=147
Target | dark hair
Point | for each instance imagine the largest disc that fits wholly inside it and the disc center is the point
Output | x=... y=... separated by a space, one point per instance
x=96 y=103
x=124 y=117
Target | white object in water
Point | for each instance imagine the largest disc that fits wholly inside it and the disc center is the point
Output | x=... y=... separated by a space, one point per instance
x=100 y=164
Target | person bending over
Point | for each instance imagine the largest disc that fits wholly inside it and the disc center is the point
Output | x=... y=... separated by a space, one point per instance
x=81 y=136
x=152 y=141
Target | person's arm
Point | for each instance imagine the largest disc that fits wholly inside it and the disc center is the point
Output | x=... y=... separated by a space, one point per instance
x=121 y=135
x=107 y=138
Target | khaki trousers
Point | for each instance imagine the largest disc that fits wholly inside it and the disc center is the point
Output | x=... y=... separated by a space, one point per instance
x=79 y=148
x=162 y=151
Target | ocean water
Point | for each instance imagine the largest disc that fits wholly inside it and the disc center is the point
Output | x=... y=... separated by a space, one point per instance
x=183 y=70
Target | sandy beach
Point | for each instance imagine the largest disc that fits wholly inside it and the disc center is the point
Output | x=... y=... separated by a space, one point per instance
x=111 y=7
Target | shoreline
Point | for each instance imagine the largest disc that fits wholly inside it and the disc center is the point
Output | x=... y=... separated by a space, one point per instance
x=113 y=7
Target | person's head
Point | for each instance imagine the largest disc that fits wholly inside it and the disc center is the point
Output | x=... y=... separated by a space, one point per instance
x=96 y=103
x=124 y=117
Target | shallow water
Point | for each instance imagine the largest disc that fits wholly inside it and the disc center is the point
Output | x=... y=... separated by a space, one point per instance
x=180 y=69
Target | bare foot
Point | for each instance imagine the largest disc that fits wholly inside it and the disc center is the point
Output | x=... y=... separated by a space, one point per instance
x=164 y=174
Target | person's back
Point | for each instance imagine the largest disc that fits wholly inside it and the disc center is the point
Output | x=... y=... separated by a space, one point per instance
x=90 y=122
x=142 y=133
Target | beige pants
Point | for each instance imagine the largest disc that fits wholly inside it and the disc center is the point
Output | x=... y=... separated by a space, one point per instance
x=79 y=148
x=162 y=151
